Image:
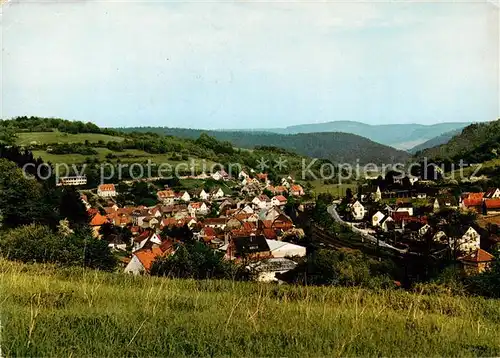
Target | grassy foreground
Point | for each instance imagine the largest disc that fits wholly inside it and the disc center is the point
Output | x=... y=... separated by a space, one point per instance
x=60 y=312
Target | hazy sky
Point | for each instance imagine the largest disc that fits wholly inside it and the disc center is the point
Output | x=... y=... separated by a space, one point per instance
x=250 y=64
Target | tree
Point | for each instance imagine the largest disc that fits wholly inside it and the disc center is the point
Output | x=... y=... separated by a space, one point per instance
x=348 y=194
x=193 y=260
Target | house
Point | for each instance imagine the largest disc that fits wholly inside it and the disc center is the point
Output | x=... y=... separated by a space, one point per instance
x=73 y=180
x=262 y=177
x=215 y=223
x=247 y=209
x=472 y=201
x=377 y=218
x=242 y=175
x=207 y=234
x=377 y=195
x=476 y=262
x=266 y=270
x=358 y=210
x=278 y=200
x=261 y=201
x=217 y=176
x=142 y=260
x=150 y=222
x=166 y=196
x=492 y=206
x=445 y=202
x=492 y=193
x=106 y=190
x=296 y=190
x=202 y=194
x=220 y=175
x=227 y=204
x=468 y=242
x=405 y=207
x=217 y=193
x=387 y=223
x=282 y=222
x=147 y=239
x=184 y=196
x=270 y=214
x=198 y=208
x=96 y=221
x=285 y=249
x=249 y=247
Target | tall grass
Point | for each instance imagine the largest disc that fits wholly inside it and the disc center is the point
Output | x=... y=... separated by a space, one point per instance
x=47 y=311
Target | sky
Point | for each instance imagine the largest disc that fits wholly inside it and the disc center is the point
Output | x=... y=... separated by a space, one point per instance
x=249 y=64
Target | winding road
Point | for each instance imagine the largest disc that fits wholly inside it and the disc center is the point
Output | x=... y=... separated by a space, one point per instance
x=332 y=210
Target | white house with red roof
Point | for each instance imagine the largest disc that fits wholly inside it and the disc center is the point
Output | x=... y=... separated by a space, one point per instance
x=296 y=190
x=278 y=200
x=198 y=208
x=106 y=190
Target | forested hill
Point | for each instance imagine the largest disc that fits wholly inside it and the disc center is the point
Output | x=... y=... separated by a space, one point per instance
x=477 y=143
x=434 y=142
x=335 y=146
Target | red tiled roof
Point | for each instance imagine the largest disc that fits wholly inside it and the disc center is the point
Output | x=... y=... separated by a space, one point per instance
x=163 y=194
x=478 y=256
x=270 y=234
x=493 y=203
x=280 y=189
x=98 y=220
x=195 y=205
x=106 y=187
x=470 y=202
x=280 y=198
x=400 y=216
x=249 y=226
x=214 y=221
x=147 y=256
x=209 y=231
x=296 y=187
x=267 y=223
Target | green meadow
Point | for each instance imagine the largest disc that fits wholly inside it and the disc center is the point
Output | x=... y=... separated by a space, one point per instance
x=46 y=311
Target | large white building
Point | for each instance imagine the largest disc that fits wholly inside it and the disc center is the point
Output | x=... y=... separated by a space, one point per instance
x=74 y=180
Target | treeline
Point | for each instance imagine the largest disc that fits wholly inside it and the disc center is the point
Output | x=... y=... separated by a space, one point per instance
x=40 y=124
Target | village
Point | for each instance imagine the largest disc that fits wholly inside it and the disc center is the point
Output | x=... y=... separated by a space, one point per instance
x=421 y=219
x=251 y=224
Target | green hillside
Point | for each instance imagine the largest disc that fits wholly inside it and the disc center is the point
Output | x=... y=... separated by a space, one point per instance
x=26 y=138
x=477 y=143
x=337 y=147
x=69 y=312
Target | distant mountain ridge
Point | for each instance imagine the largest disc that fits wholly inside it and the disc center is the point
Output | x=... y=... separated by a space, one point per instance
x=335 y=146
x=439 y=140
x=400 y=136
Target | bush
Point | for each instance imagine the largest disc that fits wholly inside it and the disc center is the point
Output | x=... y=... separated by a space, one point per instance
x=194 y=260
x=38 y=243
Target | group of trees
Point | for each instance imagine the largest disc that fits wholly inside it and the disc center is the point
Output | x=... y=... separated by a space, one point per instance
x=40 y=222
x=72 y=148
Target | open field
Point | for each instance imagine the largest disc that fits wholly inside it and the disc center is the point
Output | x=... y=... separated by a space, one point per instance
x=335 y=189
x=61 y=312
x=126 y=156
x=25 y=138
